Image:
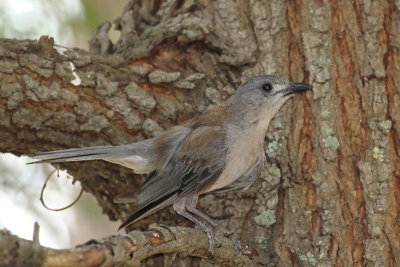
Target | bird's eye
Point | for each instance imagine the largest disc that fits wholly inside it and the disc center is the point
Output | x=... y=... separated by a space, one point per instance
x=267 y=87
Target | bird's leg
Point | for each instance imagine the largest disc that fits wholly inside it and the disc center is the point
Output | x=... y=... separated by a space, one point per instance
x=179 y=207
x=190 y=204
x=218 y=226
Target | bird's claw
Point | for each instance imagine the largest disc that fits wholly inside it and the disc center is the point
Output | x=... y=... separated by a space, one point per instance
x=230 y=234
x=224 y=230
x=213 y=240
x=237 y=244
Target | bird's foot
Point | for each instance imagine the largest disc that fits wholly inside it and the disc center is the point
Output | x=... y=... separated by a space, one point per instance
x=237 y=244
x=224 y=230
x=213 y=241
x=230 y=234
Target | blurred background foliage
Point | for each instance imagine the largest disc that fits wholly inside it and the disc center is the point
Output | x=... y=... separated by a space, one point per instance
x=70 y=23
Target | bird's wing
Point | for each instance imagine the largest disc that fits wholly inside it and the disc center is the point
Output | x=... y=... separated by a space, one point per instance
x=198 y=160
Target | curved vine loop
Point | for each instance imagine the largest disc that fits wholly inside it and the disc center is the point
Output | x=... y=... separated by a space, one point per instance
x=60 y=209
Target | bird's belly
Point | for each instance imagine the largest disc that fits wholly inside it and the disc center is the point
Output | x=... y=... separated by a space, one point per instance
x=230 y=174
x=241 y=162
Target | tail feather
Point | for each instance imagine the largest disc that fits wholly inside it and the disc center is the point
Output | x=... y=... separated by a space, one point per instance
x=137 y=156
x=77 y=154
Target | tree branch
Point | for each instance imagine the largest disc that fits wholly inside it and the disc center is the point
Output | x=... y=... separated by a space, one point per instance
x=129 y=249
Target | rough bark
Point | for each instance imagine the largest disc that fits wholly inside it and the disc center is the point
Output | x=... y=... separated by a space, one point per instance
x=329 y=191
x=118 y=250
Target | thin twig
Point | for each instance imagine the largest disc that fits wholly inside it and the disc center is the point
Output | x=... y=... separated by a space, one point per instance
x=35 y=238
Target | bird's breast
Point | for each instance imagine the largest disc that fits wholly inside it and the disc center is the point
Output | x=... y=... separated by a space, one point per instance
x=244 y=153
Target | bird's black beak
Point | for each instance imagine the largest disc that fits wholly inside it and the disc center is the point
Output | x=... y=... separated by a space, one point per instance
x=296 y=88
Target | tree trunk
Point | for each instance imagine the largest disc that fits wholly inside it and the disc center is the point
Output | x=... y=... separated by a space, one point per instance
x=328 y=193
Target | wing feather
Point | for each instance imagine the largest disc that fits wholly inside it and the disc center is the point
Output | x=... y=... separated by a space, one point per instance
x=197 y=161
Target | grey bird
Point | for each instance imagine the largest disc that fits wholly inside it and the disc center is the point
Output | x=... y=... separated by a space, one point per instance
x=220 y=150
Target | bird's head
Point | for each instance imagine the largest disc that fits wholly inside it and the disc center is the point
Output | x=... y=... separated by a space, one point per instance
x=262 y=96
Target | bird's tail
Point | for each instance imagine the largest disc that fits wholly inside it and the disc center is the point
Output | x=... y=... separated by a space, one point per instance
x=137 y=156
x=77 y=154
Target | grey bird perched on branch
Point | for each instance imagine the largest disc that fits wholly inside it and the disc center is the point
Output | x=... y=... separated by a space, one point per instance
x=219 y=151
